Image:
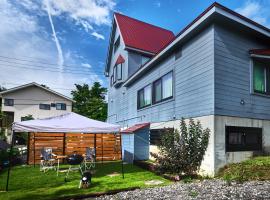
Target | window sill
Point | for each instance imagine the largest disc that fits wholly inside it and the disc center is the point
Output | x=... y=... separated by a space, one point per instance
x=157 y=104
x=260 y=94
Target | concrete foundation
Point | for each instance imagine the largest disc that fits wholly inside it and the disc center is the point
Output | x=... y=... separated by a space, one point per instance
x=216 y=155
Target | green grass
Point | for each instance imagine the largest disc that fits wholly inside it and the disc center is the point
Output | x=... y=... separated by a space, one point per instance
x=28 y=182
x=257 y=168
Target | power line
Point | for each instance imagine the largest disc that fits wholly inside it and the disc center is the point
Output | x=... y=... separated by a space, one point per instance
x=40 y=66
x=40 y=69
x=8 y=83
x=32 y=61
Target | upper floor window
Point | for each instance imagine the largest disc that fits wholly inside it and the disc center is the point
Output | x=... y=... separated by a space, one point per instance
x=44 y=106
x=112 y=80
x=144 y=97
x=119 y=71
x=9 y=102
x=61 y=106
x=116 y=44
x=114 y=74
x=261 y=77
x=163 y=88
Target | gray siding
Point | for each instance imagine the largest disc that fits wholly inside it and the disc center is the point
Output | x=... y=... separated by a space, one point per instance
x=193 y=85
x=233 y=76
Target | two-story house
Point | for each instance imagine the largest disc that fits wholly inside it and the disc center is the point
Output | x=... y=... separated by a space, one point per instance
x=216 y=70
x=32 y=99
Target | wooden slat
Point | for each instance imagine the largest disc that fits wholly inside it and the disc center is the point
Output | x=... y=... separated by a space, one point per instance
x=70 y=142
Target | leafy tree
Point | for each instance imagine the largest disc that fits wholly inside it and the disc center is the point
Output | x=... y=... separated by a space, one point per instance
x=2 y=115
x=90 y=102
x=182 y=152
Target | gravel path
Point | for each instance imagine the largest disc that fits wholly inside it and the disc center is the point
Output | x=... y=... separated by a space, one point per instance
x=207 y=189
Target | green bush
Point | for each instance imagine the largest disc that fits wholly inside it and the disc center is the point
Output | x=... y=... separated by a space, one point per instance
x=182 y=152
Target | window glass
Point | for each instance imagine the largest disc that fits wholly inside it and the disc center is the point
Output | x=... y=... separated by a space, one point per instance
x=144 y=60
x=111 y=80
x=144 y=97
x=141 y=98
x=243 y=139
x=259 y=77
x=147 y=95
x=61 y=106
x=167 y=90
x=114 y=74
x=119 y=71
x=116 y=44
x=44 y=106
x=9 y=102
x=157 y=91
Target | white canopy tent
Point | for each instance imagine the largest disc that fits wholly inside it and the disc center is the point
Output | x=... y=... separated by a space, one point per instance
x=66 y=123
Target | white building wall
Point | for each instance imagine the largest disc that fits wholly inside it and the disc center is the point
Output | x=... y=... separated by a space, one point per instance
x=27 y=100
x=221 y=156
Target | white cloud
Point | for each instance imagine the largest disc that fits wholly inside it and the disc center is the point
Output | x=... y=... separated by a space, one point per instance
x=92 y=11
x=23 y=37
x=98 y=36
x=255 y=11
x=87 y=65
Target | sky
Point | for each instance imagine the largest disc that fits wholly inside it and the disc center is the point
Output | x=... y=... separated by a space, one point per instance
x=60 y=43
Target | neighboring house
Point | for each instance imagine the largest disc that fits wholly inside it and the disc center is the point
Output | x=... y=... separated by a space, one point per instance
x=32 y=99
x=215 y=70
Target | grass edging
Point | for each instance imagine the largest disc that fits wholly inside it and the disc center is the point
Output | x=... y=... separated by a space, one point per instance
x=97 y=194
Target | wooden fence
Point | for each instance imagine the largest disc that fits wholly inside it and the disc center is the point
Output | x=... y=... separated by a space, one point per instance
x=108 y=146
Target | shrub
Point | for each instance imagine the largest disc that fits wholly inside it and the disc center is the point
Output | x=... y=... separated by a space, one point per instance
x=182 y=152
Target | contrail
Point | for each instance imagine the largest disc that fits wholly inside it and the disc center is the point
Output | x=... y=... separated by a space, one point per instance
x=60 y=60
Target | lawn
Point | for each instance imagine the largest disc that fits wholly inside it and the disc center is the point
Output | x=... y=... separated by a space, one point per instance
x=28 y=182
x=257 y=168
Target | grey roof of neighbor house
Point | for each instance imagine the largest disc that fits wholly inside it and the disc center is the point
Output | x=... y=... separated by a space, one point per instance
x=4 y=145
x=37 y=85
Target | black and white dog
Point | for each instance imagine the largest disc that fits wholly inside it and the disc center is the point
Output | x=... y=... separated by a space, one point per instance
x=85 y=180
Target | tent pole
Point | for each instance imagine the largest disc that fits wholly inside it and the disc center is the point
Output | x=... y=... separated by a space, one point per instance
x=122 y=164
x=34 y=150
x=95 y=146
x=9 y=158
x=102 y=146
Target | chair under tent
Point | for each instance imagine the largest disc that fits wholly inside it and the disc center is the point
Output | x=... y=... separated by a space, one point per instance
x=66 y=123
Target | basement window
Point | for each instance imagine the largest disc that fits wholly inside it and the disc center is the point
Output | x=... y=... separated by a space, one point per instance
x=156 y=135
x=243 y=139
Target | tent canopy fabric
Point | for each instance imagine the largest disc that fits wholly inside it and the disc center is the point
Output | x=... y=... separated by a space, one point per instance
x=66 y=123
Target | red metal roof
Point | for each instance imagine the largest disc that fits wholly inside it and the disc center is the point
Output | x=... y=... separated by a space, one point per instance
x=136 y=127
x=143 y=36
x=265 y=52
x=120 y=60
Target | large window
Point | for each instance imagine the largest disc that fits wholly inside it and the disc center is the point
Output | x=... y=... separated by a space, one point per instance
x=116 y=44
x=61 y=106
x=144 y=97
x=44 y=106
x=9 y=102
x=243 y=139
x=163 y=88
x=261 y=77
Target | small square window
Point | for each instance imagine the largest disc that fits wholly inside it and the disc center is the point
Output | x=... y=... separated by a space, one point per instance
x=9 y=102
x=61 y=106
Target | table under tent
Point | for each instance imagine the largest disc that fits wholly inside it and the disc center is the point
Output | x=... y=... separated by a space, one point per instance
x=70 y=133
